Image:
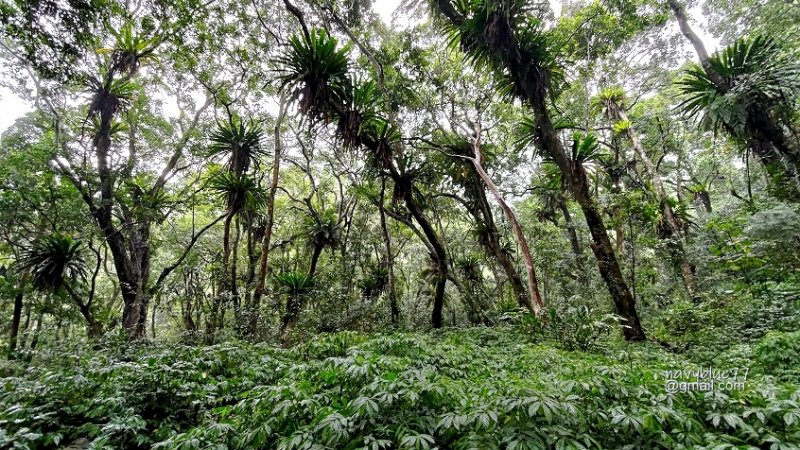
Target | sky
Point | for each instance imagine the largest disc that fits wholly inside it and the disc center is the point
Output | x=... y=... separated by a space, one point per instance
x=13 y=107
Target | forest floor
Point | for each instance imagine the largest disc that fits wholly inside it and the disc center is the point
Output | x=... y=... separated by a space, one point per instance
x=480 y=388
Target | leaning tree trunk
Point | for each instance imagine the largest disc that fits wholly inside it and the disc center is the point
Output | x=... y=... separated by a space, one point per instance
x=440 y=258
x=574 y=242
x=315 y=254
x=602 y=247
x=492 y=241
x=519 y=236
x=481 y=211
x=93 y=327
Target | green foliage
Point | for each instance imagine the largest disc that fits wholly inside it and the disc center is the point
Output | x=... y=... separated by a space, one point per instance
x=576 y=327
x=709 y=331
x=294 y=283
x=608 y=100
x=53 y=34
x=778 y=353
x=752 y=244
x=131 y=50
x=489 y=26
x=111 y=97
x=469 y=267
x=479 y=388
x=239 y=191
x=597 y=28
x=240 y=141
x=322 y=230
x=53 y=261
x=374 y=282
x=757 y=74
x=585 y=148
x=315 y=71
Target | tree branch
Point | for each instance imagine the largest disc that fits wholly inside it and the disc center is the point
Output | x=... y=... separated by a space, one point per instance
x=167 y=270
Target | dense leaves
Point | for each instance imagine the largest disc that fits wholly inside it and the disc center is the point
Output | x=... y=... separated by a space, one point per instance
x=460 y=389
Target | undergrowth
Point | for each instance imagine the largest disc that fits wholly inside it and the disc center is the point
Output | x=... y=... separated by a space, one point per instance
x=489 y=388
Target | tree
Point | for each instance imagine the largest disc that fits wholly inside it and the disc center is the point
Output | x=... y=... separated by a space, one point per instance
x=316 y=72
x=611 y=102
x=263 y=259
x=240 y=142
x=500 y=36
x=55 y=264
x=749 y=89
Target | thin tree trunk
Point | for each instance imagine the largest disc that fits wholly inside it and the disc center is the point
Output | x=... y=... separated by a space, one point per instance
x=387 y=240
x=574 y=242
x=93 y=328
x=482 y=213
x=234 y=271
x=16 y=317
x=23 y=339
x=38 y=330
x=601 y=245
x=697 y=43
x=217 y=315
x=263 y=259
x=153 y=320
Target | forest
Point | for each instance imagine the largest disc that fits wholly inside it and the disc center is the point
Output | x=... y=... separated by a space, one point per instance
x=416 y=224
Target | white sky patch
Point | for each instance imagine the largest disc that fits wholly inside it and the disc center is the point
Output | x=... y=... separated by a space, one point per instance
x=12 y=107
x=385 y=9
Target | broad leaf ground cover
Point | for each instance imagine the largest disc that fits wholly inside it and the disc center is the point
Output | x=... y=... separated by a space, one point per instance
x=459 y=389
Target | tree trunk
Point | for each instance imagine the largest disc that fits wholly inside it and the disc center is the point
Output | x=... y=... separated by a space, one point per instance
x=234 y=272
x=387 y=240
x=697 y=43
x=16 y=317
x=315 y=254
x=225 y=284
x=216 y=316
x=574 y=242
x=38 y=330
x=263 y=259
x=93 y=328
x=289 y=319
x=440 y=258
x=481 y=211
x=607 y=263
x=23 y=338
x=533 y=286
